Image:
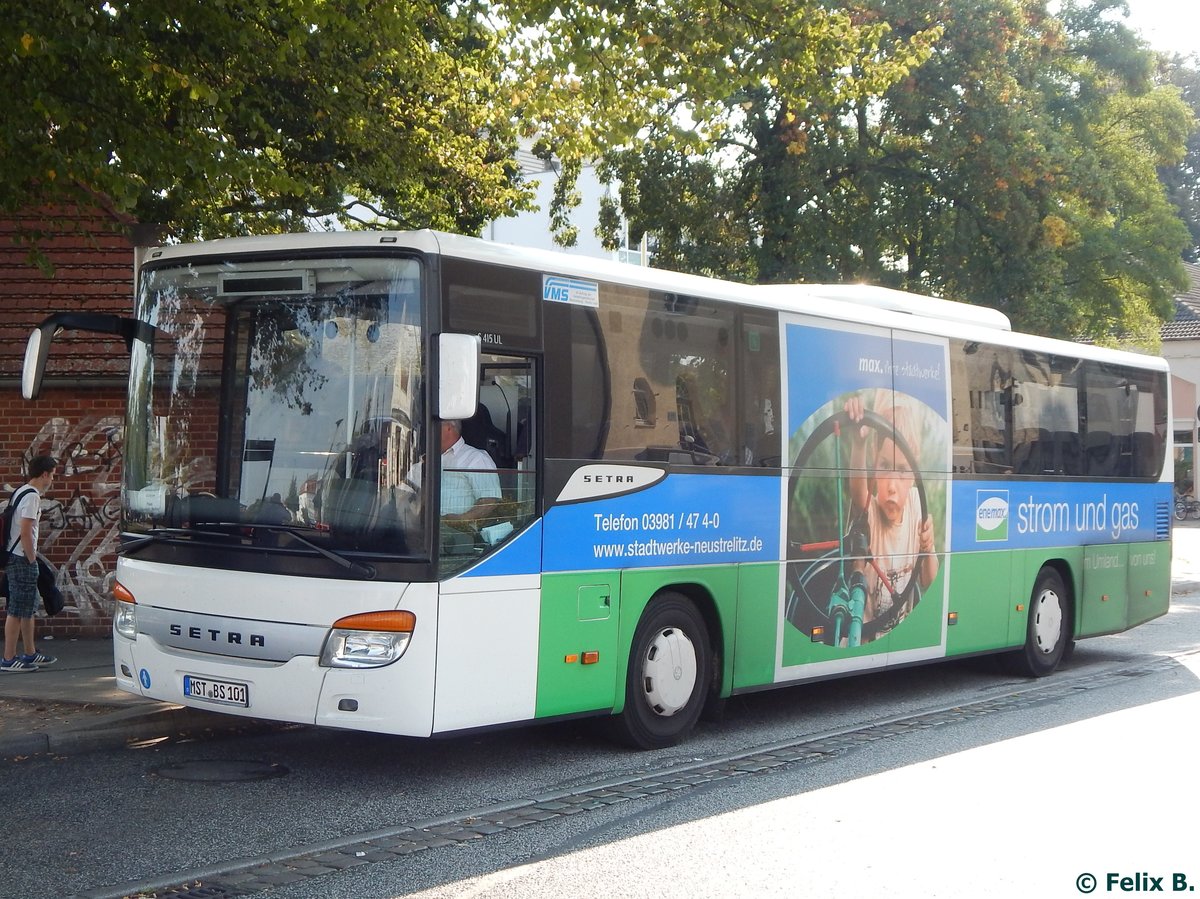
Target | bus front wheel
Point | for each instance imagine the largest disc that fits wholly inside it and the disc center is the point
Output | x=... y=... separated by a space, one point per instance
x=670 y=668
x=1048 y=630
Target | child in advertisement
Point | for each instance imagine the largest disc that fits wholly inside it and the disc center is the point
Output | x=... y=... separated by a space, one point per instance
x=901 y=544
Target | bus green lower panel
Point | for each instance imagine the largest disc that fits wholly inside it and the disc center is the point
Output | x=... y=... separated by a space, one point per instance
x=588 y=619
x=1027 y=565
x=580 y=615
x=1124 y=585
x=1104 y=601
x=757 y=625
x=598 y=612
x=981 y=602
x=1149 y=581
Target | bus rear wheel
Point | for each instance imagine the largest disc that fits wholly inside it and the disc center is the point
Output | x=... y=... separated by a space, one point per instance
x=670 y=668
x=1048 y=631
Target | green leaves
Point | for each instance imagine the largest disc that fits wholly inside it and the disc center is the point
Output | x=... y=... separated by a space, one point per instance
x=1182 y=180
x=244 y=117
x=985 y=151
x=978 y=149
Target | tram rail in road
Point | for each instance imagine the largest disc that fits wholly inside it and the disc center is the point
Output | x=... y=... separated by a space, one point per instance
x=246 y=876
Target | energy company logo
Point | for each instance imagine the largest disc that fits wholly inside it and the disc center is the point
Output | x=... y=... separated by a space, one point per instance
x=991 y=515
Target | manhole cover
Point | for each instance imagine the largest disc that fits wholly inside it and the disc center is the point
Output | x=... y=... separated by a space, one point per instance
x=221 y=770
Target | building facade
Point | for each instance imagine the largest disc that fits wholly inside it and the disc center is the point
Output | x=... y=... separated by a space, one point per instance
x=1181 y=348
x=86 y=264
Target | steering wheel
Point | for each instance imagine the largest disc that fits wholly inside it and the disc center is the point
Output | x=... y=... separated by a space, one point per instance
x=818 y=586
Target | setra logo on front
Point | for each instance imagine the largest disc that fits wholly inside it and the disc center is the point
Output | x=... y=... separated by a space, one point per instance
x=214 y=635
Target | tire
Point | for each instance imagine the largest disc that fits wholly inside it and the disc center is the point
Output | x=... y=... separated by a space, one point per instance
x=1181 y=512
x=1049 y=629
x=670 y=670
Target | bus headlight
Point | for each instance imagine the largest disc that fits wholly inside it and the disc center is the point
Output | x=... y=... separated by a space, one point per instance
x=125 y=612
x=369 y=640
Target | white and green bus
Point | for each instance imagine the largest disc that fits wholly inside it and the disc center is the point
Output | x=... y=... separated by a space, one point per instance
x=702 y=488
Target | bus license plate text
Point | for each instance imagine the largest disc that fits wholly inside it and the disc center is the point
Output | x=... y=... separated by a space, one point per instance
x=224 y=692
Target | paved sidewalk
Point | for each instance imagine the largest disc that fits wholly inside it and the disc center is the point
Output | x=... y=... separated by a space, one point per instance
x=75 y=706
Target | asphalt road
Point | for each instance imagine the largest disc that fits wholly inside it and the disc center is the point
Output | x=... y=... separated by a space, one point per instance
x=946 y=780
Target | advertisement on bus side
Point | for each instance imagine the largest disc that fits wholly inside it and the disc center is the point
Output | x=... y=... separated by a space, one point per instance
x=866 y=525
x=678 y=519
x=1033 y=514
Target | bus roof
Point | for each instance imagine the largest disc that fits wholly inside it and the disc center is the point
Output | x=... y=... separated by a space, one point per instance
x=895 y=301
x=864 y=303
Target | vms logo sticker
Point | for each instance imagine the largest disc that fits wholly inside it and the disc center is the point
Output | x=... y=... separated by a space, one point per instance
x=577 y=292
x=991 y=515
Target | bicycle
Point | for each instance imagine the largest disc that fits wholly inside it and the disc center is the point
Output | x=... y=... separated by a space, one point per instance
x=1185 y=506
x=827 y=594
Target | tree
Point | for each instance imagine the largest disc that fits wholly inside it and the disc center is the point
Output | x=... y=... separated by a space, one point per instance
x=672 y=96
x=1182 y=181
x=985 y=151
x=1037 y=138
x=251 y=116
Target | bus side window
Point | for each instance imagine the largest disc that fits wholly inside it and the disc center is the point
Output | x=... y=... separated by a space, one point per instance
x=983 y=414
x=761 y=443
x=579 y=400
x=504 y=428
x=1125 y=412
x=481 y=432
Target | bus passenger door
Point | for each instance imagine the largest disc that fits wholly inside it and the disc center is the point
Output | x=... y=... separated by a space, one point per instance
x=869 y=444
x=503 y=427
x=490 y=602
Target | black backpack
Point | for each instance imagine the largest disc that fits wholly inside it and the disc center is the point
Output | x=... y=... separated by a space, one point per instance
x=10 y=511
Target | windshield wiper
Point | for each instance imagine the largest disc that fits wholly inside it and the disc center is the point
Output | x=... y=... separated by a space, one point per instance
x=162 y=535
x=358 y=569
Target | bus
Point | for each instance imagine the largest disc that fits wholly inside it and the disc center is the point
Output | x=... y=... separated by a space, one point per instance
x=697 y=488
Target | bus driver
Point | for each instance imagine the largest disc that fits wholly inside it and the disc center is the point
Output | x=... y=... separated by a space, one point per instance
x=470 y=483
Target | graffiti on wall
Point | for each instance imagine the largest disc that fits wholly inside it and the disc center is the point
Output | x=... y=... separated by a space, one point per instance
x=79 y=528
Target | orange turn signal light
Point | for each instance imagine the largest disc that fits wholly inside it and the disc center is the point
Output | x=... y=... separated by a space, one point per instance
x=591 y=657
x=395 y=622
x=121 y=593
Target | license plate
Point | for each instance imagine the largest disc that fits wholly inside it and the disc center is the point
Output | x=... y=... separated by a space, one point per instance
x=219 y=691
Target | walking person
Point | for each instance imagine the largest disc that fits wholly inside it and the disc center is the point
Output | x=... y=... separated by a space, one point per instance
x=22 y=570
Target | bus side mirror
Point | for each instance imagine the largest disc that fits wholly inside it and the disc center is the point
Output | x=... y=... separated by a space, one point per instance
x=36 y=351
x=38 y=347
x=458 y=376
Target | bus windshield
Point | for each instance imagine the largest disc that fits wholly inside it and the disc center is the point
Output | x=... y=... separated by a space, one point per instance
x=284 y=395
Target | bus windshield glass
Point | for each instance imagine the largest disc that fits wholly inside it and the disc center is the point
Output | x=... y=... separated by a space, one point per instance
x=282 y=395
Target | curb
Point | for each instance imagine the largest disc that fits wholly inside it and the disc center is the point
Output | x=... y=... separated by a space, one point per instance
x=164 y=722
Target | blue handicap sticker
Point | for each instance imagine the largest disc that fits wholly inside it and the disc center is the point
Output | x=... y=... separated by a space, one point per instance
x=144 y=677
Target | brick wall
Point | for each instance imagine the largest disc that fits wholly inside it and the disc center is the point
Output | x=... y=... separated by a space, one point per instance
x=87 y=265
